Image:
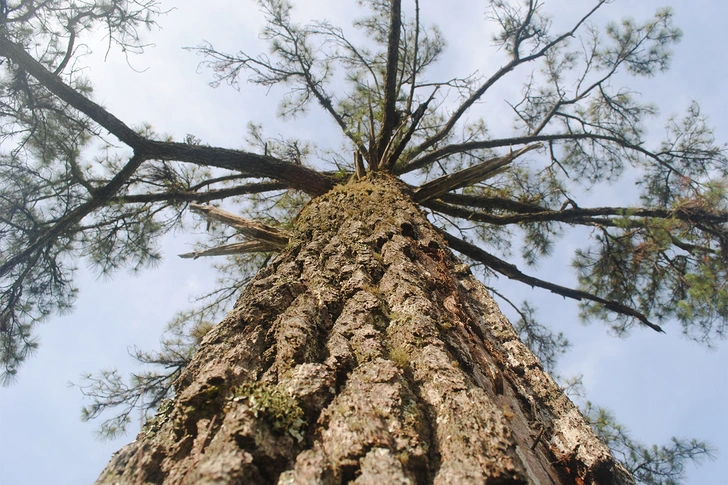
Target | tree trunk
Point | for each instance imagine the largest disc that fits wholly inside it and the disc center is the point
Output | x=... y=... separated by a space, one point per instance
x=365 y=352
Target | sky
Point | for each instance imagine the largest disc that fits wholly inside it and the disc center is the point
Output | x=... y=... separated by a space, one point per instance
x=658 y=386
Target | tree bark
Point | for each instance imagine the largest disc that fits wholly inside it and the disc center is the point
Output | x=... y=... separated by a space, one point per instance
x=365 y=353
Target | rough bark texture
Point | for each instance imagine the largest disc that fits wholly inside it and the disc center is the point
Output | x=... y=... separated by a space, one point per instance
x=365 y=353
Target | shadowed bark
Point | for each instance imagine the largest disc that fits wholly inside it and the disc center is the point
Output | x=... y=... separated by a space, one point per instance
x=365 y=353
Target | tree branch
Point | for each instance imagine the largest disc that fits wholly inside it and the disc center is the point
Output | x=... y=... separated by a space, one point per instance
x=486 y=202
x=477 y=94
x=389 y=122
x=54 y=84
x=415 y=121
x=293 y=175
x=296 y=176
x=195 y=196
x=577 y=215
x=415 y=53
x=512 y=272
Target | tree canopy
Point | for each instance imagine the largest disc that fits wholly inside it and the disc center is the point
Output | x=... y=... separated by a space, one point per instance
x=79 y=184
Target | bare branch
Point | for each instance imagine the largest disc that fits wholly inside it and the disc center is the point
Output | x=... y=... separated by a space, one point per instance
x=415 y=121
x=576 y=215
x=389 y=121
x=69 y=51
x=415 y=53
x=486 y=202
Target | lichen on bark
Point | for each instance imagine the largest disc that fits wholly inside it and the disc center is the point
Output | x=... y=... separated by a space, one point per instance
x=402 y=367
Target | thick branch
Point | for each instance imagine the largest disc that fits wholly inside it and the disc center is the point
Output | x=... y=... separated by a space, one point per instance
x=54 y=84
x=293 y=175
x=389 y=122
x=277 y=238
x=469 y=176
x=512 y=272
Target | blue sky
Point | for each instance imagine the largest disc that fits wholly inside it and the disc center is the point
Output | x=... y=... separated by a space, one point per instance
x=659 y=386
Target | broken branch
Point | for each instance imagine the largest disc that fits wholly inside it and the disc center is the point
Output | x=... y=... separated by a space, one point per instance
x=277 y=238
x=469 y=176
x=235 y=248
